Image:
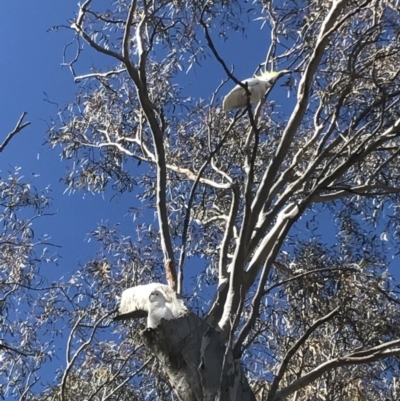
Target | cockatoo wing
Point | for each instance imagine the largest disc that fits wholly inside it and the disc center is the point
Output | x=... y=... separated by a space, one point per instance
x=237 y=97
x=135 y=298
x=134 y=301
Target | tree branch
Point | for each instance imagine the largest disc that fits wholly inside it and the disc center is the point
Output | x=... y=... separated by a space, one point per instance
x=70 y=361
x=99 y=75
x=190 y=203
x=11 y=349
x=255 y=307
x=218 y=57
x=19 y=127
x=286 y=217
x=130 y=377
x=360 y=190
x=149 y=108
x=78 y=27
x=192 y=176
x=223 y=256
x=358 y=153
x=151 y=159
x=360 y=357
x=299 y=110
x=269 y=246
x=294 y=348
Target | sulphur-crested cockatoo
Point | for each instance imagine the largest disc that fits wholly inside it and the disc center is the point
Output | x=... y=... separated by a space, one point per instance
x=134 y=301
x=157 y=309
x=257 y=86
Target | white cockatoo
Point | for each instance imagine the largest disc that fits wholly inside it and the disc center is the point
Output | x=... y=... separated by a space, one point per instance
x=257 y=86
x=157 y=309
x=135 y=299
x=134 y=302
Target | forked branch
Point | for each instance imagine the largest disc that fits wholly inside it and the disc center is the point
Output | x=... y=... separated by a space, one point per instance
x=19 y=127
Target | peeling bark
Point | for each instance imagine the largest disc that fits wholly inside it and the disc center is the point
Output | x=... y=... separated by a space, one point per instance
x=198 y=364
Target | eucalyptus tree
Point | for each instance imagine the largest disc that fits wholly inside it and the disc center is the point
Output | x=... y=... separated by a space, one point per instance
x=284 y=313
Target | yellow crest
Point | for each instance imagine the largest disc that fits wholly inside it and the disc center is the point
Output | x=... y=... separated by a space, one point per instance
x=267 y=75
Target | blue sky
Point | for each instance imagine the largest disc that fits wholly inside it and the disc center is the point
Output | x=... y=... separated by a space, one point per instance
x=31 y=67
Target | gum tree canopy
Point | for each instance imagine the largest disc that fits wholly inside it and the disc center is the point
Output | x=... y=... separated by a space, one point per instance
x=276 y=223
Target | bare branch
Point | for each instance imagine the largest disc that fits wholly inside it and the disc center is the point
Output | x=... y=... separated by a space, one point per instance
x=361 y=190
x=192 y=176
x=218 y=57
x=99 y=75
x=255 y=307
x=125 y=47
x=223 y=256
x=8 y=348
x=269 y=246
x=20 y=126
x=286 y=217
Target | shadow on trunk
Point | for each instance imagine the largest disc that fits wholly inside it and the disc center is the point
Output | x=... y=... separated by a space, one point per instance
x=199 y=366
